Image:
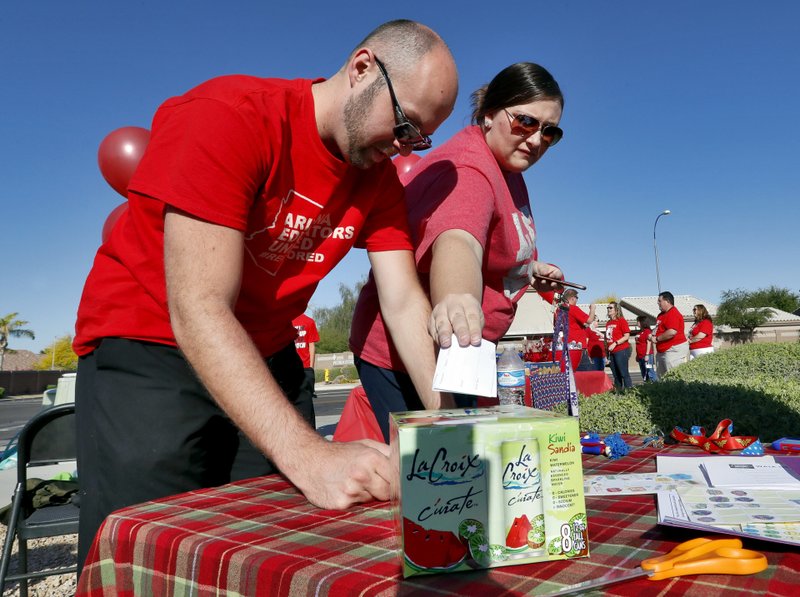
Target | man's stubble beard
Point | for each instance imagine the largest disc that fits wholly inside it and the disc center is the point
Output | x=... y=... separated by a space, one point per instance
x=355 y=115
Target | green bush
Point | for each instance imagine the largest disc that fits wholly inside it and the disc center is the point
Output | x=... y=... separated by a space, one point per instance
x=757 y=386
x=2 y=392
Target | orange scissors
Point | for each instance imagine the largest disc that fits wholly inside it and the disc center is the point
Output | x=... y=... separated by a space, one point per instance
x=704 y=555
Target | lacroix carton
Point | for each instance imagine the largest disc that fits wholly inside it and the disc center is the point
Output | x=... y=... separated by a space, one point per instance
x=486 y=487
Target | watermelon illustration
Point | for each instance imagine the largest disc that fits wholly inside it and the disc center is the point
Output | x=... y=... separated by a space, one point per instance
x=431 y=549
x=518 y=533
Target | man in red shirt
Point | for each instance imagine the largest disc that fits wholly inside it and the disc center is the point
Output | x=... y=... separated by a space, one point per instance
x=669 y=339
x=306 y=346
x=250 y=191
x=578 y=322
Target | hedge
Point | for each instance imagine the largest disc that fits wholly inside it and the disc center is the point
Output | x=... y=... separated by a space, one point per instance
x=757 y=386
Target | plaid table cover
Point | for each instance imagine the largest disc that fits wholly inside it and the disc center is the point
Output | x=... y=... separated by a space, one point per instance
x=261 y=537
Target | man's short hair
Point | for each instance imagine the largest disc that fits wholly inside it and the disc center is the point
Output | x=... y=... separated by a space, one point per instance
x=400 y=43
x=569 y=293
x=667 y=296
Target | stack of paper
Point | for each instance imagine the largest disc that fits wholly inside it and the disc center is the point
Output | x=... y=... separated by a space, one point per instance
x=740 y=495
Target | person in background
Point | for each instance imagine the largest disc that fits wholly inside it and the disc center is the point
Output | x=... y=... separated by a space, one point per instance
x=644 y=352
x=701 y=334
x=597 y=347
x=579 y=320
x=306 y=346
x=669 y=338
x=250 y=191
x=618 y=334
x=472 y=226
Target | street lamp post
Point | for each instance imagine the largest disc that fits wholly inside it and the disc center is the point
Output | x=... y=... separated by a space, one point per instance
x=666 y=212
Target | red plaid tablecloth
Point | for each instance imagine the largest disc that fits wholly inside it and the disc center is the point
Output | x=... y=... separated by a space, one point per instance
x=261 y=537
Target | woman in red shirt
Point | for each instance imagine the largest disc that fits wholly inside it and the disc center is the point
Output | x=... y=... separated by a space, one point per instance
x=701 y=334
x=618 y=332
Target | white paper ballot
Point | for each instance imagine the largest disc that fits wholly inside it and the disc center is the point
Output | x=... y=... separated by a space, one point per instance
x=749 y=472
x=467 y=370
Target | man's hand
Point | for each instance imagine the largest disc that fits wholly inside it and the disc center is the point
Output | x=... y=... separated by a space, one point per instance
x=203 y=265
x=458 y=314
x=345 y=474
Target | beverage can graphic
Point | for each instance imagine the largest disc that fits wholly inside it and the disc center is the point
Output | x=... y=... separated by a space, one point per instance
x=523 y=496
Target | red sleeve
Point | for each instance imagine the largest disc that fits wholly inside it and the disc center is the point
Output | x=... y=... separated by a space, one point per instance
x=202 y=151
x=386 y=226
x=465 y=203
x=578 y=314
x=624 y=327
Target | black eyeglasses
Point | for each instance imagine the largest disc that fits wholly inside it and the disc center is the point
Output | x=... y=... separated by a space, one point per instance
x=524 y=125
x=404 y=130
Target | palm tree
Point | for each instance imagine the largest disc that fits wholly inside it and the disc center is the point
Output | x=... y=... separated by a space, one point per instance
x=11 y=326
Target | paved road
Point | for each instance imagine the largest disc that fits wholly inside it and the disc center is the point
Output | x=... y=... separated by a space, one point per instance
x=14 y=414
x=330 y=400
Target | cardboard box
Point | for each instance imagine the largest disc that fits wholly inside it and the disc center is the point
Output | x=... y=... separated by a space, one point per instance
x=486 y=487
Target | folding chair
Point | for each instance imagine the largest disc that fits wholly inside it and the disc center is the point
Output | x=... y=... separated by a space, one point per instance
x=48 y=438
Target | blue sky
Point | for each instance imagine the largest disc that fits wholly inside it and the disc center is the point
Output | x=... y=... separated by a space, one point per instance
x=681 y=105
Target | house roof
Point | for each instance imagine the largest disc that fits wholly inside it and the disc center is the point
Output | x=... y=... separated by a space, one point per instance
x=20 y=360
x=534 y=316
x=778 y=316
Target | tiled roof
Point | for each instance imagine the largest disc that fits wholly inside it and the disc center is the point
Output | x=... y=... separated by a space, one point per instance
x=778 y=316
x=20 y=360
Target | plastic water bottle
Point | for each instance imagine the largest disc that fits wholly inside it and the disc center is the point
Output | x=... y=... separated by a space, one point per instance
x=510 y=378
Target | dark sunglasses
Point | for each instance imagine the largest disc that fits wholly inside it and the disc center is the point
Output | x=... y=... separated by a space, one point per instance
x=404 y=130
x=524 y=125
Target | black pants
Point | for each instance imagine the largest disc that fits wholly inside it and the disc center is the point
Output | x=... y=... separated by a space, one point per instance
x=147 y=428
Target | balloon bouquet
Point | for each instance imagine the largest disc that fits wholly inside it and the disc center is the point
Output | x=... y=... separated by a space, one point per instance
x=118 y=155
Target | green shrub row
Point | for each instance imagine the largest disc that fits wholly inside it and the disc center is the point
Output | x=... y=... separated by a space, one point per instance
x=2 y=392
x=757 y=386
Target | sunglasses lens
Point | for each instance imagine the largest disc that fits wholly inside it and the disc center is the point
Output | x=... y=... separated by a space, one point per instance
x=552 y=134
x=525 y=123
x=407 y=134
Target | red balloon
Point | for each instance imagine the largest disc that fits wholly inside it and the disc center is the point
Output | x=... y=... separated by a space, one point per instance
x=119 y=154
x=112 y=219
x=404 y=163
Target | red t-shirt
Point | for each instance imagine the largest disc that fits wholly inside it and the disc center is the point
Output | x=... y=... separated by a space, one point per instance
x=245 y=153
x=641 y=343
x=597 y=348
x=671 y=320
x=459 y=186
x=578 y=319
x=616 y=329
x=306 y=334
x=704 y=326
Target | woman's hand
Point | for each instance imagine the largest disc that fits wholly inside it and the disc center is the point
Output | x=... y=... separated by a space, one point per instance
x=458 y=314
x=549 y=270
